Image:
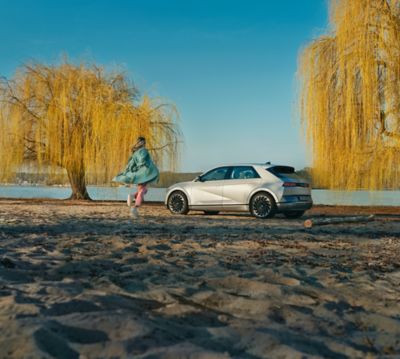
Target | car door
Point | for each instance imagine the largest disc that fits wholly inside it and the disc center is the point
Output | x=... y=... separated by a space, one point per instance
x=208 y=189
x=241 y=182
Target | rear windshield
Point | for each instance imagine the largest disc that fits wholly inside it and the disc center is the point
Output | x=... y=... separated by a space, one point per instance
x=284 y=172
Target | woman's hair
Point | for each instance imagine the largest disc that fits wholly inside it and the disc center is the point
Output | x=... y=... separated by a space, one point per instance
x=140 y=142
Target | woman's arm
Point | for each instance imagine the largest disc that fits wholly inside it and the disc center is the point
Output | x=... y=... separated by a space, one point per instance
x=131 y=165
x=142 y=158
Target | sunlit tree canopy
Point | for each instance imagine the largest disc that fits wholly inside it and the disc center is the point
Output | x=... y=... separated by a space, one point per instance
x=350 y=96
x=80 y=118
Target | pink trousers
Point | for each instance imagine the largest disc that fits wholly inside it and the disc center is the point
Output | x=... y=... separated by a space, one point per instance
x=139 y=195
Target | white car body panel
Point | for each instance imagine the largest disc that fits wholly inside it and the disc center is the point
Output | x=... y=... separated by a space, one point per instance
x=236 y=191
x=206 y=193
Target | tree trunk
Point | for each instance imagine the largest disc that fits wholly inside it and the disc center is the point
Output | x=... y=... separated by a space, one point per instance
x=309 y=223
x=77 y=180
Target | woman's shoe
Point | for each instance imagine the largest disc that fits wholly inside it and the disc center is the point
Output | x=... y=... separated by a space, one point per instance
x=135 y=212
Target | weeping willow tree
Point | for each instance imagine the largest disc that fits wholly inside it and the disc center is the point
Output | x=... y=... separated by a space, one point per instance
x=350 y=96
x=81 y=119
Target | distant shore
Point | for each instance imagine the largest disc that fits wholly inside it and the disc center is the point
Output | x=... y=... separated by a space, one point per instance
x=61 y=179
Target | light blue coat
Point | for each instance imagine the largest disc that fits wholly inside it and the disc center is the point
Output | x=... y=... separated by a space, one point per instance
x=139 y=170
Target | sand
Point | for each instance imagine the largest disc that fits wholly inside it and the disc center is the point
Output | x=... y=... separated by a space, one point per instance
x=86 y=281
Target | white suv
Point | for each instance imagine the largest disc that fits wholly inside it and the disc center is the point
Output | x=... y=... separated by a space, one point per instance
x=261 y=189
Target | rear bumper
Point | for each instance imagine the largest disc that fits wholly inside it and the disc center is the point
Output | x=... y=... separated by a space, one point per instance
x=293 y=206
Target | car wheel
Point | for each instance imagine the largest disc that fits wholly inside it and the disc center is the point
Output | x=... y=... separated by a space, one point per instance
x=211 y=213
x=262 y=205
x=178 y=203
x=293 y=214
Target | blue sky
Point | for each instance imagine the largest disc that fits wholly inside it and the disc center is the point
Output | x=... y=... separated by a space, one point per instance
x=228 y=65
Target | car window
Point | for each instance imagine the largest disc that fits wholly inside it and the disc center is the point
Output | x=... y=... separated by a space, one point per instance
x=215 y=175
x=244 y=172
x=284 y=172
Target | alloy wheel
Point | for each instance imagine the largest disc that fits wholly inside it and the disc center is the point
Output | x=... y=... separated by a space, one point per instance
x=177 y=203
x=262 y=206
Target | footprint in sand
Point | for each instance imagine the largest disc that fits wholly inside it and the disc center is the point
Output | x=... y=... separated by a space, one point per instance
x=235 y=306
x=77 y=334
x=275 y=278
x=245 y=287
x=159 y=247
x=54 y=345
x=72 y=306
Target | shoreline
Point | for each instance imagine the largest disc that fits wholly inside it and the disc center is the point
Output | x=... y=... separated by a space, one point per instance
x=319 y=208
x=157 y=194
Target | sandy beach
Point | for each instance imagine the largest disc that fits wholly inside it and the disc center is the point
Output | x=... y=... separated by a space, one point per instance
x=83 y=280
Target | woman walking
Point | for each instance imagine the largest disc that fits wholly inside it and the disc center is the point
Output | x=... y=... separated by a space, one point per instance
x=140 y=170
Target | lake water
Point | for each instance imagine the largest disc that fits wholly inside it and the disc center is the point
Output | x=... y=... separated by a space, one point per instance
x=356 y=198
x=95 y=192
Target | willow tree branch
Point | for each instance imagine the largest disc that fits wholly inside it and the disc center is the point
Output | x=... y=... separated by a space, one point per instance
x=165 y=146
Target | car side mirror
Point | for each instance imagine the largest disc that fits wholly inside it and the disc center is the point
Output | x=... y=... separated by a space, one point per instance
x=198 y=179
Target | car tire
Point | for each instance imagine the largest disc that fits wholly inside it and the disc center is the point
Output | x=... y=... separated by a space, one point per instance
x=293 y=214
x=211 y=213
x=178 y=203
x=262 y=205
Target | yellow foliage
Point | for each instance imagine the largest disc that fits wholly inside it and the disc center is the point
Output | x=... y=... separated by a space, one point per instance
x=350 y=96
x=82 y=119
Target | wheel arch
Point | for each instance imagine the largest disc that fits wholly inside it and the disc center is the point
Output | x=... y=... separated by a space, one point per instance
x=181 y=189
x=259 y=190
